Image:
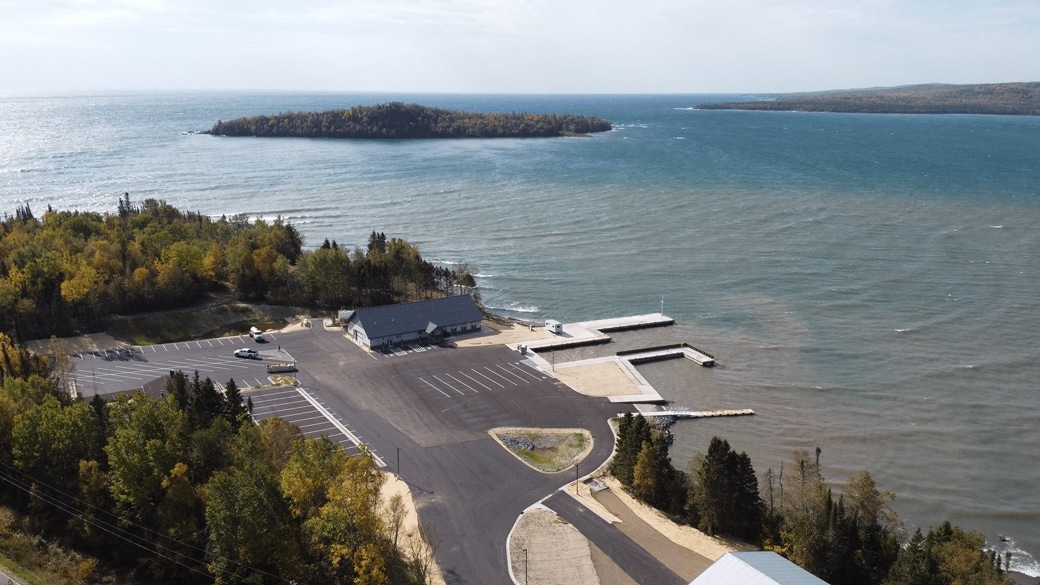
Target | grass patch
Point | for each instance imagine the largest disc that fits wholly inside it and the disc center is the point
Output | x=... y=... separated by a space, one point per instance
x=280 y=380
x=547 y=450
x=35 y=561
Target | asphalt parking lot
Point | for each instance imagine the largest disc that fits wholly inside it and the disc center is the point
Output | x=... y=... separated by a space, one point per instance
x=304 y=408
x=124 y=368
x=424 y=412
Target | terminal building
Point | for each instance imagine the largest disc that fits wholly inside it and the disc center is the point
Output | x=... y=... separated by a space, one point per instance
x=419 y=322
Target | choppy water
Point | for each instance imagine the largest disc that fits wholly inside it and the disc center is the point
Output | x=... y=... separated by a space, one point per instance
x=869 y=284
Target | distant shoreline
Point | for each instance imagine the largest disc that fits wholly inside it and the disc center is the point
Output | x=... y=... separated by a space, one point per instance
x=1013 y=99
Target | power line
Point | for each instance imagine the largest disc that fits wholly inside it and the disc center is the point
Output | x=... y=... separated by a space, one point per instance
x=116 y=530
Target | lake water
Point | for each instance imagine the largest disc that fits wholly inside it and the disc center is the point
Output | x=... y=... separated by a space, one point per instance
x=870 y=284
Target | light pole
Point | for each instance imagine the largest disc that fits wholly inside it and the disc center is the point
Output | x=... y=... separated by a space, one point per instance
x=398 y=462
x=525 y=566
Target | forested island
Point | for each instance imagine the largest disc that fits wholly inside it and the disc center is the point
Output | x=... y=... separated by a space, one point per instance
x=397 y=120
x=1022 y=99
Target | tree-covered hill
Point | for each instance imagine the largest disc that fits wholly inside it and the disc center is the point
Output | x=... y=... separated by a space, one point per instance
x=399 y=120
x=996 y=98
x=69 y=271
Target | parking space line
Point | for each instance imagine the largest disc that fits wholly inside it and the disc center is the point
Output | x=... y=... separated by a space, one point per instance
x=501 y=367
x=322 y=427
x=526 y=370
x=435 y=388
x=316 y=417
x=486 y=378
x=288 y=410
x=279 y=393
x=500 y=376
x=475 y=381
x=463 y=383
x=461 y=393
x=378 y=460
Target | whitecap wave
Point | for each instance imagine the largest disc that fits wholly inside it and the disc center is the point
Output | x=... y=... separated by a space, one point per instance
x=513 y=308
x=997 y=227
x=1021 y=561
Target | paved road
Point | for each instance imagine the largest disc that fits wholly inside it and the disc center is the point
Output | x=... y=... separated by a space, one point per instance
x=6 y=577
x=426 y=413
x=437 y=407
x=632 y=558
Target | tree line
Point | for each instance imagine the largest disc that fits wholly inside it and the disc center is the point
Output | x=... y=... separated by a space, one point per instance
x=997 y=98
x=69 y=271
x=396 y=120
x=853 y=538
x=186 y=489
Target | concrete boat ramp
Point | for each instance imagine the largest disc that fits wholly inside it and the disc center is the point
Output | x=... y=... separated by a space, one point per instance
x=636 y=390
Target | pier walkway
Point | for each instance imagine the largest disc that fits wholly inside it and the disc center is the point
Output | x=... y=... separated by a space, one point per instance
x=628 y=386
x=593 y=332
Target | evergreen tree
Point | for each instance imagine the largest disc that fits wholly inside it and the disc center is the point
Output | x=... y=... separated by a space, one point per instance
x=724 y=493
x=234 y=410
x=633 y=431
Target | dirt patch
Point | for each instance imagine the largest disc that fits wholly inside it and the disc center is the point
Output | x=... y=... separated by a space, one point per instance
x=547 y=549
x=212 y=320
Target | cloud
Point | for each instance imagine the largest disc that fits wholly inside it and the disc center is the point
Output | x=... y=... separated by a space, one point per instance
x=519 y=45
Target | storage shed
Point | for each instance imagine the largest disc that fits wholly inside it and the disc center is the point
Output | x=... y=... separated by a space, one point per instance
x=418 y=322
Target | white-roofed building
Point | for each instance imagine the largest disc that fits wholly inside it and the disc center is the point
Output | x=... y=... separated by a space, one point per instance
x=756 y=568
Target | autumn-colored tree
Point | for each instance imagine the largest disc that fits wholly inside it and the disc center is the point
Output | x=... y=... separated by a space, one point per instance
x=148 y=439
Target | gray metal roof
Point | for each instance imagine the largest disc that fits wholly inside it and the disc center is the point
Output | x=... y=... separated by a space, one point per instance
x=404 y=318
x=756 y=568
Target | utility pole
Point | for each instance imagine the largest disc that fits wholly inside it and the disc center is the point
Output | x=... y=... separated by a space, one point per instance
x=398 y=462
x=525 y=566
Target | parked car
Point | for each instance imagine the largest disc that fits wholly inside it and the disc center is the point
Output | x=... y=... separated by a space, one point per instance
x=256 y=334
x=245 y=352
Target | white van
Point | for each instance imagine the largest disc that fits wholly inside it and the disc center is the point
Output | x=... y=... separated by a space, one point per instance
x=256 y=334
x=553 y=326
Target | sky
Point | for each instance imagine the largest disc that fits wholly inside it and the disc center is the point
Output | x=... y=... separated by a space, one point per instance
x=513 y=46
